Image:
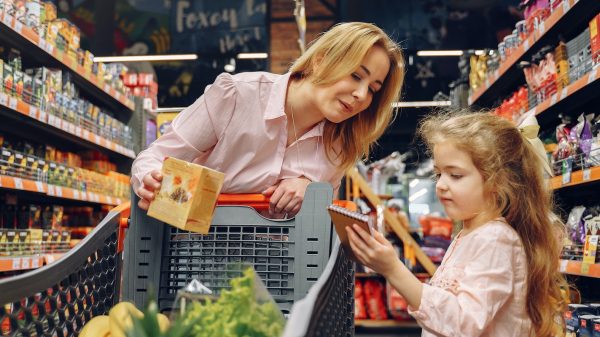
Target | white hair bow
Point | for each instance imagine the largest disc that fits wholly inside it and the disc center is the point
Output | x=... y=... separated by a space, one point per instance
x=529 y=128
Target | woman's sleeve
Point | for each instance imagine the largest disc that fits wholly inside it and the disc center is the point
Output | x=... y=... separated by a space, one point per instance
x=483 y=288
x=194 y=131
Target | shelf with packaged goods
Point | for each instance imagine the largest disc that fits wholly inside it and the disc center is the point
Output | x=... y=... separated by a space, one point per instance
x=566 y=17
x=33 y=47
x=576 y=178
x=60 y=127
x=388 y=323
x=56 y=191
x=579 y=268
x=577 y=92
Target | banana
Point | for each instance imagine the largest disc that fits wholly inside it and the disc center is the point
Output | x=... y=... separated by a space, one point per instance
x=96 y=327
x=163 y=322
x=120 y=318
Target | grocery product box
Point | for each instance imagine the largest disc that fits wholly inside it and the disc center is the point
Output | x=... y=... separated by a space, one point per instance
x=187 y=196
x=595 y=38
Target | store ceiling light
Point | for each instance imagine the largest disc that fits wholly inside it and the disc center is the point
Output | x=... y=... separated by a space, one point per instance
x=417 y=194
x=246 y=56
x=420 y=104
x=439 y=53
x=173 y=109
x=146 y=58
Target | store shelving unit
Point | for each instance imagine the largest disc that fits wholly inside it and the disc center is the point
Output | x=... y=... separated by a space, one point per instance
x=568 y=18
x=33 y=124
x=35 y=48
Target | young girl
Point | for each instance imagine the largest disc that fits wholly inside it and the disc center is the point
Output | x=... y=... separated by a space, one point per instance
x=500 y=276
x=276 y=133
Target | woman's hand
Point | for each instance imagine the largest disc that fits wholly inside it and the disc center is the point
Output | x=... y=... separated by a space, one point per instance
x=286 y=197
x=375 y=252
x=150 y=185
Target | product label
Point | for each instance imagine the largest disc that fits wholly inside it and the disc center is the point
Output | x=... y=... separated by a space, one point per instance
x=18 y=183
x=33 y=113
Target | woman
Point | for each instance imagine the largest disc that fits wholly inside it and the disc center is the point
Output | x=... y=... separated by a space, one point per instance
x=274 y=134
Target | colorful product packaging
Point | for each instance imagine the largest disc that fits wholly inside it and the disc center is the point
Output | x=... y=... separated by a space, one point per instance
x=188 y=195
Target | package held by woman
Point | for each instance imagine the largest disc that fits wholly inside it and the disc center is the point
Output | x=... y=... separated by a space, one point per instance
x=187 y=196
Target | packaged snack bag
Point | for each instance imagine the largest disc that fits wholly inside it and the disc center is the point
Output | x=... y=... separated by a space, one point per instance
x=187 y=196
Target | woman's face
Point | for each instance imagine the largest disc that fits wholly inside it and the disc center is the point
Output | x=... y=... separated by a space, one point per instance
x=354 y=93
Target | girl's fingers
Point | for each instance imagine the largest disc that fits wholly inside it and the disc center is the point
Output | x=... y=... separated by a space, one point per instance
x=380 y=238
x=366 y=237
x=354 y=244
x=143 y=204
x=156 y=175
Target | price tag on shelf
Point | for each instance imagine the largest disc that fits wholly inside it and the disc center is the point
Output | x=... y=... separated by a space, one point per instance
x=96 y=139
x=58 y=191
x=71 y=128
x=8 y=19
x=84 y=195
x=25 y=263
x=563 y=266
x=3 y=99
x=542 y=28
x=118 y=96
x=49 y=48
x=12 y=103
x=18 y=183
x=33 y=112
x=118 y=201
x=566 y=6
x=78 y=131
x=35 y=262
x=51 y=190
x=587 y=174
x=39 y=186
x=563 y=93
x=42 y=44
x=51 y=119
x=76 y=194
x=109 y=200
x=567 y=168
x=526 y=45
x=592 y=75
x=42 y=116
x=86 y=134
x=585 y=268
x=107 y=88
x=553 y=99
x=16 y=263
x=18 y=27
x=58 y=122
x=49 y=258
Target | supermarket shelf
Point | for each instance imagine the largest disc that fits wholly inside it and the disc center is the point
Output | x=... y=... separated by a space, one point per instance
x=579 y=268
x=571 y=94
x=62 y=127
x=27 y=262
x=35 y=48
x=56 y=191
x=577 y=178
x=369 y=323
x=566 y=18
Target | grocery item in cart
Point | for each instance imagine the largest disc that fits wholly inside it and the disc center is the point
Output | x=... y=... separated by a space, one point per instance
x=187 y=196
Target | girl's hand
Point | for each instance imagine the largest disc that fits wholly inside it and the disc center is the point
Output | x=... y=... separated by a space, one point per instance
x=286 y=197
x=375 y=252
x=150 y=184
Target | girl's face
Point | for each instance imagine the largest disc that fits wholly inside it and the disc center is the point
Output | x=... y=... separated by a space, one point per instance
x=460 y=186
x=353 y=93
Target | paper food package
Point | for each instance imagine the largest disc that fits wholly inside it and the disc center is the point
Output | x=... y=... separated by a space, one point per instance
x=187 y=196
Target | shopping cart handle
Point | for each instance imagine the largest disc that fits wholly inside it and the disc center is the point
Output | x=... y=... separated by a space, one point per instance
x=261 y=202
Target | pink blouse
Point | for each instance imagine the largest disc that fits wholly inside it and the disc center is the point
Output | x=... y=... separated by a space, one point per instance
x=239 y=127
x=480 y=288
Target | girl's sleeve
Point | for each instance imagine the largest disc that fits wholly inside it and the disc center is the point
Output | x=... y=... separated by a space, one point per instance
x=483 y=288
x=193 y=132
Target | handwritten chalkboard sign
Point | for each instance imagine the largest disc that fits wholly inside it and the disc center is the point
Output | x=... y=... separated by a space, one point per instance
x=218 y=27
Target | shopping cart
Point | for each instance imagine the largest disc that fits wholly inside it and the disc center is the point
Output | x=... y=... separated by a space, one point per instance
x=288 y=255
x=57 y=299
x=291 y=256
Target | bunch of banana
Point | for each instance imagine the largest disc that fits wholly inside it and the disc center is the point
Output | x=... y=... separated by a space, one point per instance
x=118 y=321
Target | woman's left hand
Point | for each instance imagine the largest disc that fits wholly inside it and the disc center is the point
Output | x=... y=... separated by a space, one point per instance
x=286 y=197
x=375 y=252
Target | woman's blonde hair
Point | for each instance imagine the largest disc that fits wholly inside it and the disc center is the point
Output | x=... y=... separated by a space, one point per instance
x=513 y=176
x=336 y=54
